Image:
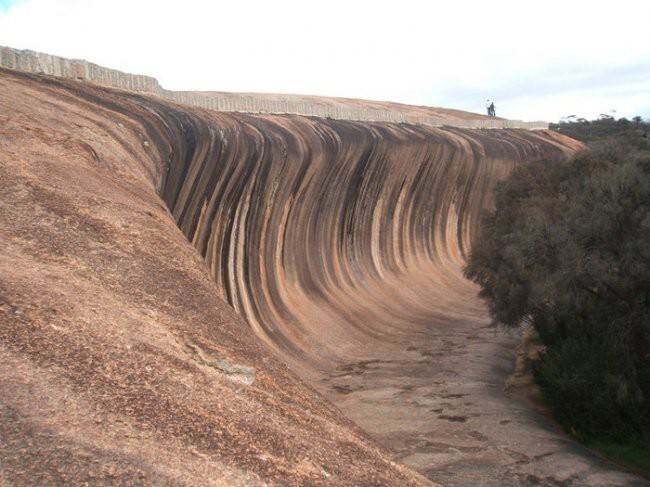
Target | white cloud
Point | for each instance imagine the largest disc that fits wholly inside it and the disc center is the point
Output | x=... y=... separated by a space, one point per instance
x=528 y=56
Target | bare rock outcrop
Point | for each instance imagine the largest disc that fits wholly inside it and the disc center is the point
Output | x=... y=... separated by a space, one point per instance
x=119 y=363
x=160 y=264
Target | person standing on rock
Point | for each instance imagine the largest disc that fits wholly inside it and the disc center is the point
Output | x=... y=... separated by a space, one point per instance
x=490 y=108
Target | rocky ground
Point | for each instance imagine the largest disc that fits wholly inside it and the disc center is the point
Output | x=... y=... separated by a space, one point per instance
x=463 y=427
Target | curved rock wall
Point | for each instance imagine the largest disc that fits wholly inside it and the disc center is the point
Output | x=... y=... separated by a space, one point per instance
x=340 y=242
x=314 y=229
x=119 y=363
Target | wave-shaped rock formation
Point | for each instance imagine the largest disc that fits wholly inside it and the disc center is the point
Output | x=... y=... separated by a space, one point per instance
x=338 y=246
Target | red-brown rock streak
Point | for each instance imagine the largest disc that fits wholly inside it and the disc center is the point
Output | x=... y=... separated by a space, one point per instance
x=340 y=244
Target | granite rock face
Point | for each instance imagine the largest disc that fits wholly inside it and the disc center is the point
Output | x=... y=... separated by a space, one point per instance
x=119 y=362
x=161 y=264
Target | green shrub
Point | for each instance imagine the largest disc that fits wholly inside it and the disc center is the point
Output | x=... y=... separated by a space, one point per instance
x=589 y=392
x=567 y=249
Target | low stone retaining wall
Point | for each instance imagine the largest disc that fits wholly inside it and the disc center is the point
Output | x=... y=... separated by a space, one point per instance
x=37 y=62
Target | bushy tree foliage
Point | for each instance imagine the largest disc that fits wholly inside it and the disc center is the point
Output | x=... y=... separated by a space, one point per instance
x=631 y=132
x=567 y=249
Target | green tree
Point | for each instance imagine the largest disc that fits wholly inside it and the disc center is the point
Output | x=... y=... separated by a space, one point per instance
x=567 y=249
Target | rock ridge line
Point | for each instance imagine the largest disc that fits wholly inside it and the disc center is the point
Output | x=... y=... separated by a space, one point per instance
x=323 y=107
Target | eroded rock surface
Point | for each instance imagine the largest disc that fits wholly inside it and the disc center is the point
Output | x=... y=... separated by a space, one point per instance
x=339 y=245
x=119 y=363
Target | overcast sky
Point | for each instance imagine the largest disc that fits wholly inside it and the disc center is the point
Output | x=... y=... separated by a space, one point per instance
x=537 y=60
